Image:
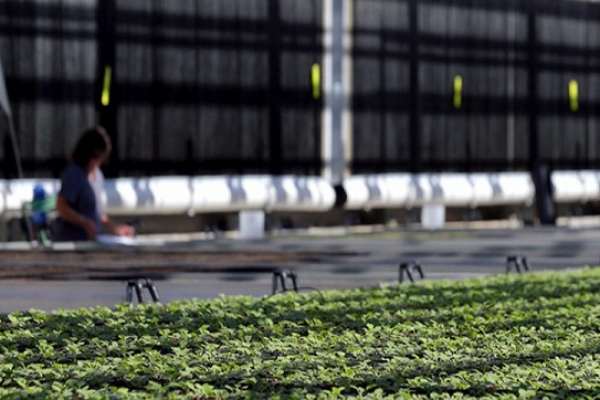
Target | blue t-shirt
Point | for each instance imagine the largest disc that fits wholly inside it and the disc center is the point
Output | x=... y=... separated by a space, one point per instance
x=79 y=194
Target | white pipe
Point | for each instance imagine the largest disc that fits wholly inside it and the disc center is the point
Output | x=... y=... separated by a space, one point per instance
x=449 y=189
x=575 y=186
x=457 y=189
x=206 y=194
x=18 y=191
x=591 y=184
x=512 y=188
x=156 y=195
x=229 y=193
x=291 y=193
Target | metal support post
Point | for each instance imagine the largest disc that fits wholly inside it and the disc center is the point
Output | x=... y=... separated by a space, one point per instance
x=279 y=278
x=409 y=268
x=139 y=284
x=519 y=261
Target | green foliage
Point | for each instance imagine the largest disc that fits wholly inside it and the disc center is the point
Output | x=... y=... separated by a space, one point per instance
x=533 y=337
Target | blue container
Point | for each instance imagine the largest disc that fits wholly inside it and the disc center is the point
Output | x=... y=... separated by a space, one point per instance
x=38 y=214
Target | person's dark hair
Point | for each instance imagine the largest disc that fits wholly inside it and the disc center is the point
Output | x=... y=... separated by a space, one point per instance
x=92 y=143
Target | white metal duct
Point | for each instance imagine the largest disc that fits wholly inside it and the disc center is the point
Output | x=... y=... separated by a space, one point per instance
x=292 y=193
x=155 y=195
x=451 y=189
x=229 y=193
x=180 y=194
x=512 y=188
x=573 y=186
x=379 y=191
x=17 y=191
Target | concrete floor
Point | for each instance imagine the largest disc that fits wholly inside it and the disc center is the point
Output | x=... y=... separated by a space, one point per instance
x=352 y=261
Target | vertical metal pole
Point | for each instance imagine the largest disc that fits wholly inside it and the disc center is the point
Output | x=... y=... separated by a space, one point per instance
x=532 y=83
x=129 y=294
x=382 y=164
x=510 y=87
x=275 y=283
x=414 y=89
x=138 y=291
x=106 y=20
x=152 y=289
x=336 y=145
x=15 y=146
x=275 y=140
x=5 y=105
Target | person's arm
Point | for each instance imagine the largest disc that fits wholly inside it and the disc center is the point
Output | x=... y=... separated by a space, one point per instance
x=107 y=223
x=117 y=228
x=69 y=214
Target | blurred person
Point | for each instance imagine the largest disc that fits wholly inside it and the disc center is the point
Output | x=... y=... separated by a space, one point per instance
x=79 y=204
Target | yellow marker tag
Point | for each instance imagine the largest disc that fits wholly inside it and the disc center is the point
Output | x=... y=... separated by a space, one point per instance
x=315 y=78
x=106 y=87
x=458 y=86
x=573 y=95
